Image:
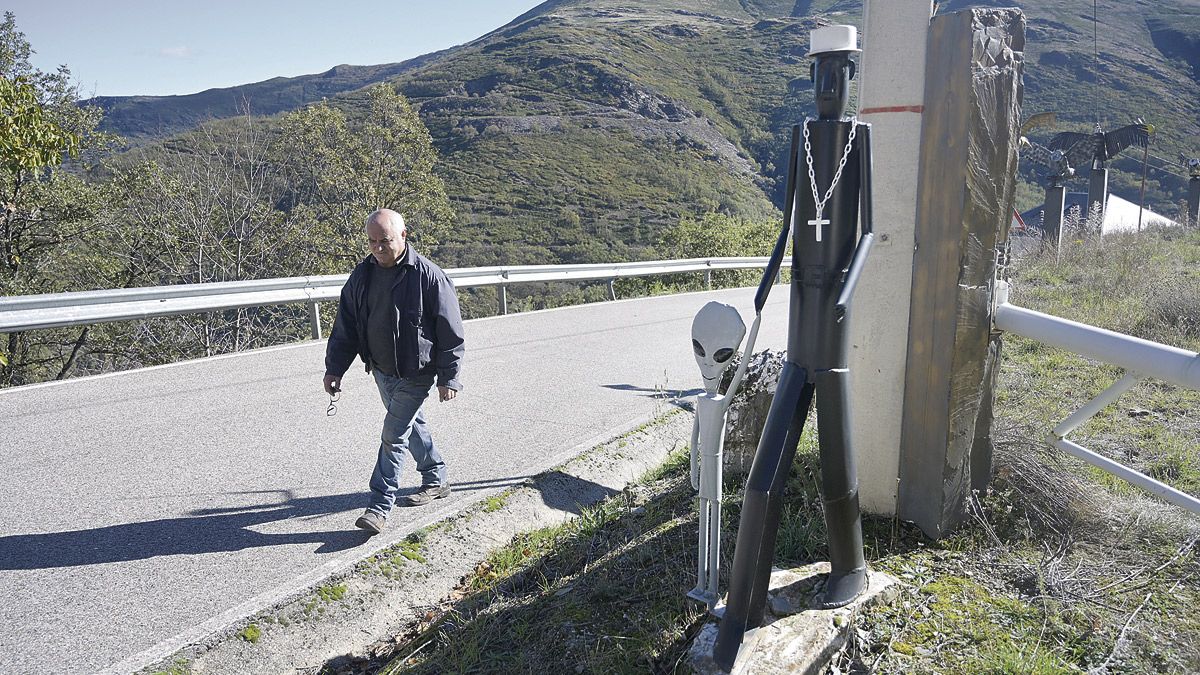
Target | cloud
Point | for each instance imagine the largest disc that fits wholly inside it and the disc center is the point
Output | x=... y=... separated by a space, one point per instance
x=180 y=52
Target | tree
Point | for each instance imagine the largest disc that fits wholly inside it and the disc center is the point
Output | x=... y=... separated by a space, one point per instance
x=719 y=235
x=47 y=210
x=354 y=165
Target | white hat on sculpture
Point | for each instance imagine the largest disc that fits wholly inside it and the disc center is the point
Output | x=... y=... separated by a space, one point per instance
x=833 y=39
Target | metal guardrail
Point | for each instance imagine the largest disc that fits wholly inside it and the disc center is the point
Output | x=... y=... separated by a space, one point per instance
x=1139 y=358
x=57 y=310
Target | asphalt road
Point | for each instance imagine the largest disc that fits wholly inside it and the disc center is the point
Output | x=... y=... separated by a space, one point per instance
x=143 y=510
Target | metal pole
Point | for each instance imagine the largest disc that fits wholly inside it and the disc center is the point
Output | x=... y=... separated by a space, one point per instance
x=1097 y=404
x=1146 y=358
x=314 y=319
x=1142 y=194
x=1141 y=480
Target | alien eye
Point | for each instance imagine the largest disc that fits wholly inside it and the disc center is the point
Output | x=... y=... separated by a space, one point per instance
x=722 y=355
x=698 y=348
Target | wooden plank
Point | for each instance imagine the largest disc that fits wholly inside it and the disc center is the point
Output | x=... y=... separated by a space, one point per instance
x=971 y=100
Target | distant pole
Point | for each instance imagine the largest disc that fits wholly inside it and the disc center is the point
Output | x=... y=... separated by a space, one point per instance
x=1142 y=195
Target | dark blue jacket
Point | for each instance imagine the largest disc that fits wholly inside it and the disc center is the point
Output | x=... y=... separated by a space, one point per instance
x=428 y=334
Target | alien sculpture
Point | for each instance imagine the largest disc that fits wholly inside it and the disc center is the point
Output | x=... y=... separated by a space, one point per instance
x=717 y=332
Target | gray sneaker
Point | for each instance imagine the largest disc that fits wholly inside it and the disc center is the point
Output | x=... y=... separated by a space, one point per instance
x=371 y=522
x=426 y=494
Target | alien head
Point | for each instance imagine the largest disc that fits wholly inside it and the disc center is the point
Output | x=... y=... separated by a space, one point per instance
x=717 y=332
x=832 y=70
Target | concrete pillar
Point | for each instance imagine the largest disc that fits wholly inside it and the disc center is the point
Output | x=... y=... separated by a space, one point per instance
x=1052 y=214
x=1098 y=195
x=1193 y=202
x=891 y=99
x=964 y=209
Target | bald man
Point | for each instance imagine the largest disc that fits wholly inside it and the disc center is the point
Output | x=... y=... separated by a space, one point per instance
x=398 y=312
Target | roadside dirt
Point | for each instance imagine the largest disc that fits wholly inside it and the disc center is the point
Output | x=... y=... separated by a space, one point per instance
x=361 y=613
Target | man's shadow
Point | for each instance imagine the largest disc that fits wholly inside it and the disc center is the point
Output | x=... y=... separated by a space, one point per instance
x=202 y=531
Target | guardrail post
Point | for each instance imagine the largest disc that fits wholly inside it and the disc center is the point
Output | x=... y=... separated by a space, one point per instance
x=314 y=319
x=708 y=280
x=612 y=289
x=502 y=300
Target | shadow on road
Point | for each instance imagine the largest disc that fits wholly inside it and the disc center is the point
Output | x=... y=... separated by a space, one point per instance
x=669 y=394
x=203 y=531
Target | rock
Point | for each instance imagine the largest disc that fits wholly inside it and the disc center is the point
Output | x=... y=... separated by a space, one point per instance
x=748 y=412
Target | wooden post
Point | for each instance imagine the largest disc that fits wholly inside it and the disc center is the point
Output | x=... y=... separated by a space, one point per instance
x=1193 y=202
x=1052 y=216
x=964 y=209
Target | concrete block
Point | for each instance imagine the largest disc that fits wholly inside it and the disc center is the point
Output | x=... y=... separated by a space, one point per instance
x=891 y=96
x=796 y=637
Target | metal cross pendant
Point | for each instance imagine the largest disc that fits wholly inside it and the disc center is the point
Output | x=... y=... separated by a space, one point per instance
x=817 y=223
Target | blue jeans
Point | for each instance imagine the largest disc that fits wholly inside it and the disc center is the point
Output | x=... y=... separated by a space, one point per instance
x=404 y=429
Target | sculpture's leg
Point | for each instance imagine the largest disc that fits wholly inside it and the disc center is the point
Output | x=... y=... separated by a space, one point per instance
x=708 y=538
x=714 y=535
x=702 y=554
x=839 y=485
x=761 y=507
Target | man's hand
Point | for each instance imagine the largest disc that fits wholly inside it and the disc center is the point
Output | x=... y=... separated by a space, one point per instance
x=333 y=384
x=445 y=393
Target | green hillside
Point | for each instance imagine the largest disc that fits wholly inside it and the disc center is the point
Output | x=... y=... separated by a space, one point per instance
x=580 y=130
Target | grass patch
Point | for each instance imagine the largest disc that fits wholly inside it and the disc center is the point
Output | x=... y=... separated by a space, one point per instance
x=495 y=502
x=180 y=666
x=1058 y=570
x=331 y=592
x=250 y=633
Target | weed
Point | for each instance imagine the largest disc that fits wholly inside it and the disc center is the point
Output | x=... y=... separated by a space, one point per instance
x=495 y=502
x=181 y=666
x=250 y=633
x=331 y=592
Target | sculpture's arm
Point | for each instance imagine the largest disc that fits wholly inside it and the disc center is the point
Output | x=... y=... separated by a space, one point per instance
x=695 y=449
x=768 y=280
x=745 y=362
x=864 y=242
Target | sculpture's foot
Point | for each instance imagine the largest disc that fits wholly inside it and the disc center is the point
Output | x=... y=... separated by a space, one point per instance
x=842 y=589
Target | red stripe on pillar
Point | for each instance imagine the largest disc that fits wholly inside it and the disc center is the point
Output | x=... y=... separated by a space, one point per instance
x=894 y=108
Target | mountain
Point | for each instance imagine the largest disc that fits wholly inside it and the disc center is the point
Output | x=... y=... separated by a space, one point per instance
x=138 y=118
x=580 y=129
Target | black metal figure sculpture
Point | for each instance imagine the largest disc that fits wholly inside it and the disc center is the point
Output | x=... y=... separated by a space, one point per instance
x=1098 y=147
x=828 y=195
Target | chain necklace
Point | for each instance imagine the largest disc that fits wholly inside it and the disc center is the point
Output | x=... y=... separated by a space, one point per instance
x=837 y=175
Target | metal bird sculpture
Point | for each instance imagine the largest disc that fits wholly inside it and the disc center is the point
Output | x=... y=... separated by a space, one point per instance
x=1054 y=164
x=1042 y=119
x=1191 y=163
x=1100 y=146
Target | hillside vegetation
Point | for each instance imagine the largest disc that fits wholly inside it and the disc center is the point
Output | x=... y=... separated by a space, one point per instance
x=581 y=129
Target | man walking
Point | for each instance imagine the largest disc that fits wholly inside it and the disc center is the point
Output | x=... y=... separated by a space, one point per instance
x=399 y=312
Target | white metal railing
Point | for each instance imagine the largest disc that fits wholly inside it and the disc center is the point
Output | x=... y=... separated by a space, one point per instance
x=1139 y=358
x=57 y=310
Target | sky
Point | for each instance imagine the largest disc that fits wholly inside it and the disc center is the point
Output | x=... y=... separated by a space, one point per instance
x=139 y=47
